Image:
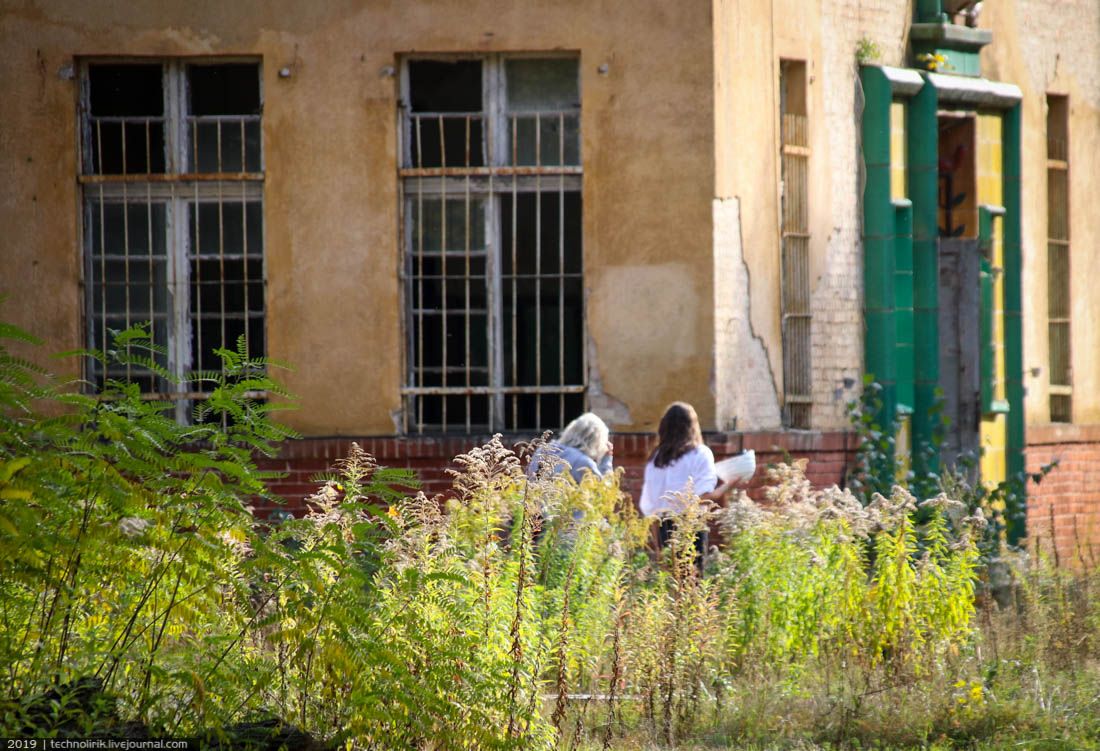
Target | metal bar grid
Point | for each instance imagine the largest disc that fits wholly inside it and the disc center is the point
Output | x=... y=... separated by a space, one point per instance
x=796 y=317
x=492 y=271
x=1059 y=262
x=167 y=244
x=109 y=151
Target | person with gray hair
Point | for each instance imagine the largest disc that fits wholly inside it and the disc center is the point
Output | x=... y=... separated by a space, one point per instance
x=583 y=446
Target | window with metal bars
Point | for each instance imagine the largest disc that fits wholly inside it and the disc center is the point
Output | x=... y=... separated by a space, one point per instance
x=492 y=270
x=172 y=192
x=795 y=245
x=1058 y=260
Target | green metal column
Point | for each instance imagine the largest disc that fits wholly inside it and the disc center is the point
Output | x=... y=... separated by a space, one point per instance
x=924 y=193
x=929 y=11
x=903 y=302
x=878 y=239
x=1014 y=357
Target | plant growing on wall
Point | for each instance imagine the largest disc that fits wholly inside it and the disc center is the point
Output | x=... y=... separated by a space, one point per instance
x=867 y=51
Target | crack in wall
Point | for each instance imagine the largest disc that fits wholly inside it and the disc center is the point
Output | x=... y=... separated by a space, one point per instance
x=744 y=383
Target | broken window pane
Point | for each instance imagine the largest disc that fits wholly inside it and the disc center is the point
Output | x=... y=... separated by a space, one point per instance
x=125 y=130
x=224 y=118
x=445 y=124
x=224 y=89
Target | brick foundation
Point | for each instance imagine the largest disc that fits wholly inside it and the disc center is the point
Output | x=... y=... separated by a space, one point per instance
x=1065 y=507
x=829 y=454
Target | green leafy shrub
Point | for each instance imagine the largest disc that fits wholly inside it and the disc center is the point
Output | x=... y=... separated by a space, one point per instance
x=140 y=595
x=130 y=555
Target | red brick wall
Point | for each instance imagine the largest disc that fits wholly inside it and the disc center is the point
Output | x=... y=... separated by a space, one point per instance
x=829 y=453
x=1065 y=507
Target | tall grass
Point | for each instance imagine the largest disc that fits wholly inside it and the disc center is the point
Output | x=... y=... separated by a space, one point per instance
x=139 y=595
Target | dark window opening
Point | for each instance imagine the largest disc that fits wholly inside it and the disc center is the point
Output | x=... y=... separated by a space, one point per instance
x=445 y=86
x=126 y=90
x=183 y=255
x=125 y=133
x=493 y=268
x=224 y=117
x=226 y=280
x=543 y=302
x=228 y=89
x=958 y=207
x=446 y=125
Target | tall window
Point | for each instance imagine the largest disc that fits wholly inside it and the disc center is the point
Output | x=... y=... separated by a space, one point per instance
x=795 y=241
x=1058 y=259
x=172 y=187
x=491 y=181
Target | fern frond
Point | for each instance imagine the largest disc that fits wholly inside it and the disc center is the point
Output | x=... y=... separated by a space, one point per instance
x=15 y=333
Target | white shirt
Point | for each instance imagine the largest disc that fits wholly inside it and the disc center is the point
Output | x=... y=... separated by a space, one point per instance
x=696 y=468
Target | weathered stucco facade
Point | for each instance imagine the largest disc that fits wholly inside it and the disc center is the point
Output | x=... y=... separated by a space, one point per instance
x=331 y=188
x=683 y=231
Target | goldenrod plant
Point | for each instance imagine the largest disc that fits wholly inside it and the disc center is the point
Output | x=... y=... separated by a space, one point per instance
x=141 y=595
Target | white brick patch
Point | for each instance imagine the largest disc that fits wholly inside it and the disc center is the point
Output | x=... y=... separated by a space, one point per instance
x=744 y=388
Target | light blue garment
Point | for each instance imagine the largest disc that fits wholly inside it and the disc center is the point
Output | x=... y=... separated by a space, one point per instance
x=578 y=462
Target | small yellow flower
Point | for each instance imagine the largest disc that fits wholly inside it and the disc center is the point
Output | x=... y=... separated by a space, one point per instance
x=934 y=62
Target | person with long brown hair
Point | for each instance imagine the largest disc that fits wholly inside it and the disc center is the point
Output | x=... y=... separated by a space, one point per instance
x=680 y=463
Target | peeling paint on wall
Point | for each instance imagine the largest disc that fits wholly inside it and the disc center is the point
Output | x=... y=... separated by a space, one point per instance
x=744 y=386
x=612 y=410
x=653 y=346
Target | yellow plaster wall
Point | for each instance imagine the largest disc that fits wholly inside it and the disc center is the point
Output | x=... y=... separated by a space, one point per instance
x=752 y=37
x=899 y=166
x=331 y=192
x=1055 y=48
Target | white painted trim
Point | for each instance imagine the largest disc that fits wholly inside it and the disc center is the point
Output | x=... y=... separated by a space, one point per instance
x=975 y=92
x=903 y=81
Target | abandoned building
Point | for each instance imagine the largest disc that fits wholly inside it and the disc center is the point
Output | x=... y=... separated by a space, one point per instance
x=459 y=218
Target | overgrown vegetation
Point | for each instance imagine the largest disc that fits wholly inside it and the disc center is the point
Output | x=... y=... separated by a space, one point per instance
x=140 y=596
x=879 y=466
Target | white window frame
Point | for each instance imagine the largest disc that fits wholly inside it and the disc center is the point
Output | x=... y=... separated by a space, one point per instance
x=490 y=182
x=177 y=189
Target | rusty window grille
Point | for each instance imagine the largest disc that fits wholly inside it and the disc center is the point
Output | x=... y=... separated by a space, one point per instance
x=795 y=245
x=172 y=193
x=492 y=265
x=1058 y=260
